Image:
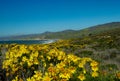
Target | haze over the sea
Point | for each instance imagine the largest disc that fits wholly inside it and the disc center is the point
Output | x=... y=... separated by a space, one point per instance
x=18 y=17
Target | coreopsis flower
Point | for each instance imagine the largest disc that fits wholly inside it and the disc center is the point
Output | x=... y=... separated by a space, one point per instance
x=28 y=79
x=84 y=71
x=118 y=75
x=52 y=71
x=48 y=57
x=46 y=78
x=59 y=57
x=35 y=61
x=65 y=75
x=93 y=63
x=30 y=63
x=38 y=75
x=16 y=79
x=95 y=74
x=72 y=69
x=81 y=77
x=60 y=65
x=81 y=64
x=94 y=68
x=24 y=59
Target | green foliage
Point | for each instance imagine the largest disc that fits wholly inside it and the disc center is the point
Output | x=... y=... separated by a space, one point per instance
x=85 y=53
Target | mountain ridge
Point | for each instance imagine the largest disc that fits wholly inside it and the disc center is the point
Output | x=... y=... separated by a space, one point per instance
x=66 y=34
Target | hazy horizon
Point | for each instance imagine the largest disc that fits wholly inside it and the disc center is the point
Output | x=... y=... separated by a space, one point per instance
x=21 y=17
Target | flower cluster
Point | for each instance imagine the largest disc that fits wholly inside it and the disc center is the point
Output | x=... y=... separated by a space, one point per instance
x=46 y=63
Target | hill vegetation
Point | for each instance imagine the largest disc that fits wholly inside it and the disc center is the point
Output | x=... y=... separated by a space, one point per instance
x=68 y=34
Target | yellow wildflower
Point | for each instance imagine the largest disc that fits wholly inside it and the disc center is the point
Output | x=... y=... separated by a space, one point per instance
x=94 y=68
x=81 y=77
x=24 y=59
x=84 y=71
x=46 y=78
x=65 y=75
x=81 y=64
x=94 y=63
x=94 y=74
x=16 y=79
x=118 y=75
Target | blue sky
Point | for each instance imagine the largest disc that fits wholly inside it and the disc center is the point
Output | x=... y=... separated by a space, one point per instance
x=18 y=17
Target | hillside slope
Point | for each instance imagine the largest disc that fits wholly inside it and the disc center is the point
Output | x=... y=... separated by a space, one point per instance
x=68 y=34
x=84 y=32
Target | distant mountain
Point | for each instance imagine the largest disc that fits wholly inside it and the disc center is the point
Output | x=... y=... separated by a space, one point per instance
x=84 y=32
x=66 y=34
x=104 y=27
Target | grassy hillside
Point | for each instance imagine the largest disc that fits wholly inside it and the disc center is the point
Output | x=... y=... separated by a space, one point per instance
x=68 y=34
x=85 y=32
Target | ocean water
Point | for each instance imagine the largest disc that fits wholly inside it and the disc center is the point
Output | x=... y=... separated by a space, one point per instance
x=27 y=41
